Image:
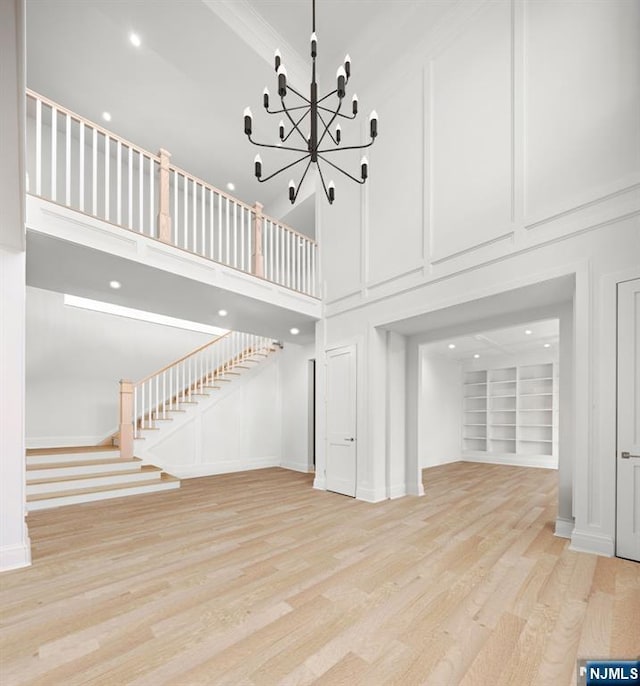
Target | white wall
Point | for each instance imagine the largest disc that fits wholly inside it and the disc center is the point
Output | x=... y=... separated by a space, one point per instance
x=439 y=410
x=515 y=178
x=74 y=361
x=15 y=550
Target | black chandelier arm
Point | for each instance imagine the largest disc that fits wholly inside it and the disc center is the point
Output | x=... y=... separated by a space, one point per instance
x=301 y=159
x=298 y=122
x=276 y=147
x=293 y=90
x=335 y=166
x=295 y=197
x=295 y=126
x=349 y=147
x=344 y=116
x=335 y=142
x=290 y=109
x=324 y=185
x=326 y=126
x=328 y=95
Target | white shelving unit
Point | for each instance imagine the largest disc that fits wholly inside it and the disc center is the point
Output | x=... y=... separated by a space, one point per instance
x=511 y=412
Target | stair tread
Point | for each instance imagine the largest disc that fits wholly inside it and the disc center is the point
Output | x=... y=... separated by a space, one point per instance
x=79 y=477
x=70 y=449
x=81 y=463
x=100 y=489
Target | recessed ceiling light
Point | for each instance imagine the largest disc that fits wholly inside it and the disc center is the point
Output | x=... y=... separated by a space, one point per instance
x=528 y=332
x=115 y=284
x=134 y=38
x=452 y=346
x=476 y=356
x=547 y=345
x=231 y=186
x=106 y=116
x=294 y=331
x=222 y=313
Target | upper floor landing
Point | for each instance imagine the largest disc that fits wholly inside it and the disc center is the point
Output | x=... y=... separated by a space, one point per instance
x=100 y=208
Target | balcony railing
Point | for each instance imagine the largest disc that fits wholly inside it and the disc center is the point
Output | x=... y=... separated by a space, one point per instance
x=79 y=164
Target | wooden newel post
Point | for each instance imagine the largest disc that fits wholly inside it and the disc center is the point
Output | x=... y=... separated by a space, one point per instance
x=257 y=258
x=164 y=211
x=126 y=420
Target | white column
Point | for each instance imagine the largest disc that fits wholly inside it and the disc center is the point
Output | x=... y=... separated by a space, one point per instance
x=564 y=520
x=396 y=415
x=14 y=541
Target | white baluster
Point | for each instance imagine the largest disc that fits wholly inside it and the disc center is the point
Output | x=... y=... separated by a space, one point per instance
x=107 y=160
x=164 y=395
x=54 y=153
x=176 y=228
x=219 y=227
x=130 y=189
x=235 y=235
x=203 y=207
x=243 y=264
x=67 y=160
x=141 y=191
x=194 y=228
x=142 y=399
x=210 y=224
x=81 y=170
x=228 y=242
x=119 y=183
x=185 y=187
x=152 y=198
x=38 y=147
x=94 y=175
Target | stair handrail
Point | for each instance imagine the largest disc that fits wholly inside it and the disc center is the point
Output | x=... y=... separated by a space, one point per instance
x=181 y=359
x=151 y=399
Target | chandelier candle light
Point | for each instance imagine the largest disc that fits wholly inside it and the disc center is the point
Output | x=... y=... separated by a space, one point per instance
x=321 y=119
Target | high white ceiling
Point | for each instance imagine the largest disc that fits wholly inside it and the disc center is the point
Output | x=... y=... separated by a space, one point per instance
x=201 y=62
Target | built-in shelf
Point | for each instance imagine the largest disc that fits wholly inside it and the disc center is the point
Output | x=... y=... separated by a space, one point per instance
x=517 y=414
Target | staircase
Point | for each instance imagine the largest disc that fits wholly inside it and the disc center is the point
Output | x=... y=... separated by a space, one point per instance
x=67 y=476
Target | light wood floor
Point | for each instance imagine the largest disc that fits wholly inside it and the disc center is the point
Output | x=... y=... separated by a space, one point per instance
x=255 y=578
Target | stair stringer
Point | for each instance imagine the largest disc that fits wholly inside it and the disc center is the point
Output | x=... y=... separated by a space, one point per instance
x=148 y=447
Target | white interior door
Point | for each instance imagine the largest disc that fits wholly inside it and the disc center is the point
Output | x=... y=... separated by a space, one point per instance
x=628 y=501
x=341 y=420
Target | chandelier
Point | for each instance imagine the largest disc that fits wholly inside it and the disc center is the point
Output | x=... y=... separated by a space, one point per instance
x=313 y=121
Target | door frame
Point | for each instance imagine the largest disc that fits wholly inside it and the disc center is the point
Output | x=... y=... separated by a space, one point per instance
x=354 y=346
x=618 y=447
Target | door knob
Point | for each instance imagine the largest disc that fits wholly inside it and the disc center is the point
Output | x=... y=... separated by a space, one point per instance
x=625 y=455
x=350 y=439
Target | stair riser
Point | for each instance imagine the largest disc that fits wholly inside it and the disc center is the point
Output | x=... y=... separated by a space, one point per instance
x=79 y=470
x=89 y=482
x=102 y=495
x=72 y=457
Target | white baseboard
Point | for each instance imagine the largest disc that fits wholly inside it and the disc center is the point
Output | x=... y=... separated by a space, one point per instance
x=564 y=527
x=61 y=441
x=297 y=467
x=398 y=491
x=596 y=544
x=15 y=556
x=213 y=468
x=537 y=461
x=370 y=495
